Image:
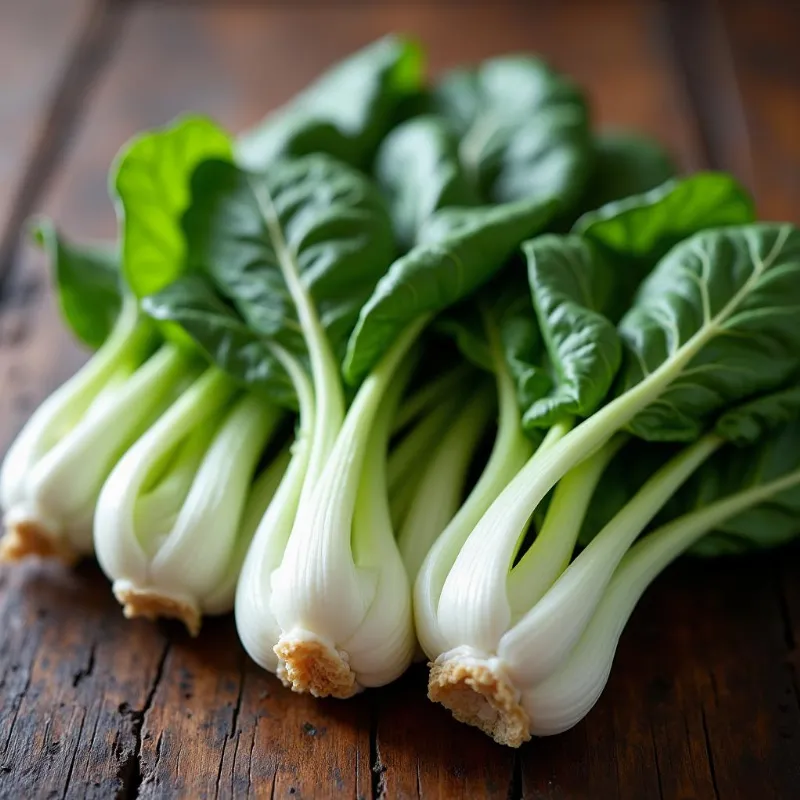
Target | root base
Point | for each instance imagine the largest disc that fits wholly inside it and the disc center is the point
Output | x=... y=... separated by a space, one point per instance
x=309 y=665
x=477 y=696
x=152 y=605
x=25 y=538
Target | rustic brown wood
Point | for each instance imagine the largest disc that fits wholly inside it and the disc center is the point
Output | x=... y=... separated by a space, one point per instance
x=35 y=39
x=703 y=698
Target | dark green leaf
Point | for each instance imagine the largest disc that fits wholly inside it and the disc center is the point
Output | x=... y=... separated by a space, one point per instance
x=634 y=233
x=344 y=113
x=570 y=289
x=87 y=280
x=625 y=164
x=152 y=185
x=719 y=317
x=418 y=169
x=524 y=129
x=461 y=250
x=647 y=225
x=314 y=216
x=748 y=423
x=733 y=470
x=192 y=303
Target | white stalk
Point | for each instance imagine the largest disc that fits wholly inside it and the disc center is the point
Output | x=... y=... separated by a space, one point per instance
x=566 y=697
x=383 y=645
x=510 y=451
x=54 y=472
x=262 y=493
x=319 y=595
x=169 y=567
x=539 y=642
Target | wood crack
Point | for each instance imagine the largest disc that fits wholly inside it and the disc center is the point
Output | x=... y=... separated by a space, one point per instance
x=131 y=771
x=709 y=754
x=87 y=59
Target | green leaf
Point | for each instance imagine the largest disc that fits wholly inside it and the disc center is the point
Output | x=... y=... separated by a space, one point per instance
x=418 y=169
x=625 y=164
x=646 y=226
x=524 y=128
x=323 y=218
x=633 y=234
x=571 y=289
x=152 y=186
x=461 y=249
x=770 y=524
x=220 y=333
x=87 y=281
x=748 y=423
x=344 y=113
x=719 y=315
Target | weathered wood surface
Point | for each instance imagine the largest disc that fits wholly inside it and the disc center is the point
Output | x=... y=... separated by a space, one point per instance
x=703 y=700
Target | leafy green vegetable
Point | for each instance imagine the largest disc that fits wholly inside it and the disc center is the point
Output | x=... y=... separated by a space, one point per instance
x=87 y=280
x=152 y=183
x=570 y=289
x=733 y=470
x=418 y=169
x=625 y=164
x=344 y=113
x=316 y=213
x=524 y=129
x=646 y=226
x=720 y=309
x=192 y=303
x=460 y=250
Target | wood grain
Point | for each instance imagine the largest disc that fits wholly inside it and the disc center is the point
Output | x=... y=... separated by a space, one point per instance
x=703 y=699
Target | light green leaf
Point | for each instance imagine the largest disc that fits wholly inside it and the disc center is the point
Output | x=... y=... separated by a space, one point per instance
x=151 y=181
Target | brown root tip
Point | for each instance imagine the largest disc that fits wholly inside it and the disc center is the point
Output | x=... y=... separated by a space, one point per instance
x=152 y=605
x=477 y=696
x=26 y=538
x=309 y=665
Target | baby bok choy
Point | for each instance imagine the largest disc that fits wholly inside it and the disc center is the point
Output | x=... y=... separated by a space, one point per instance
x=707 y=329
x=742 y=498
x=54 y=470
x=303 y=252
x=168 y=528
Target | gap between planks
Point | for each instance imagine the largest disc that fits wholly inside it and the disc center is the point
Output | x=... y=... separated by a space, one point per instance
x=89 y=55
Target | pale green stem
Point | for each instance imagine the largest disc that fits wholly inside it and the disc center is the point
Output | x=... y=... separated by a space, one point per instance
x=563 y=699
x=551 y=551
x=443 y=477
x=540 y=641
x=431 y=395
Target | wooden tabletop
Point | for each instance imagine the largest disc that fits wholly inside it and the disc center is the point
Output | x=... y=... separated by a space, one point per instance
x=704 y=697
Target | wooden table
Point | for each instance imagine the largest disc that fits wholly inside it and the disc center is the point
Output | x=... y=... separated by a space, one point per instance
x=703 y=702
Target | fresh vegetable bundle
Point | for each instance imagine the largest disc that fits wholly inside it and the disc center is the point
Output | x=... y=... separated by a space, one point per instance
x=373 y=374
